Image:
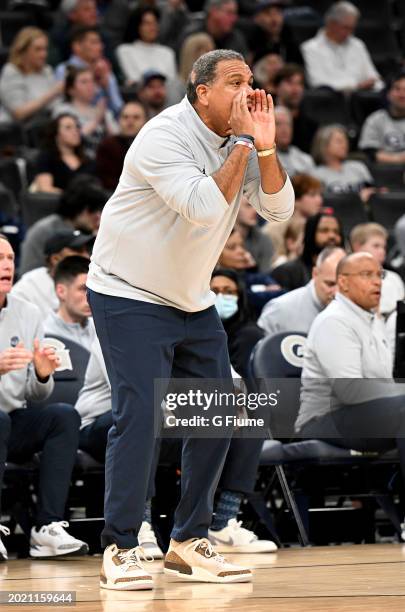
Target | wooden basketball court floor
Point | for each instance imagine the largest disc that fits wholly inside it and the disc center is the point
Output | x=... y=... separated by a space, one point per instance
x=320 y=579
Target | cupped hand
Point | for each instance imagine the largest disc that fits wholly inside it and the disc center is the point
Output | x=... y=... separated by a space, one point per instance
x=45 y=360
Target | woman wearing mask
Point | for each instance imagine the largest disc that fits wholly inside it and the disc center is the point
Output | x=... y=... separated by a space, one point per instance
x=236 y=315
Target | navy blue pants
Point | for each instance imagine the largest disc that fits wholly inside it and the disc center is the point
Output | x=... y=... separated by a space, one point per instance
x=53 y=431
x=142 y=342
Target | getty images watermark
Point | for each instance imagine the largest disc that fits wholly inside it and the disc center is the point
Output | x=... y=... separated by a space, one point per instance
x=210 y=407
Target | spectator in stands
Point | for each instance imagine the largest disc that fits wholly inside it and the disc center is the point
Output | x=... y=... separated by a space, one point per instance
x=80 y=208
x=265 y=71
x=261 y=287
x=289 y=244
x=294 y=160
x=289 y=84
x=267 y=32
x=87 y=52
x=321 y=230
x=337 y=59
x=28 y=87
x=348 y=395
x=337 y=173
x=153 y=93
x=297 y=309
x=308 y=202
x=237 y=317
x=26 y=368
x=38 y=286
x=145 y=53
x=256 y=242
x=62 y=157
x=76 y=14
x=383 y=133
x=96 y=121
x=372 y=238
x=193 y=47
x=72 y=319
x=219 y=22
x=112 y=150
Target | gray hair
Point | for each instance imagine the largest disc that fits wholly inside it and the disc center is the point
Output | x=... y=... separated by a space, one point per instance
x=204 y=70
x=340 y=10
x=325 y=254
x=215 y=4
x=321 y=141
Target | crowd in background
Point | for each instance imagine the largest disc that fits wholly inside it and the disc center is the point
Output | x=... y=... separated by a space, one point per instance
x=82 y=79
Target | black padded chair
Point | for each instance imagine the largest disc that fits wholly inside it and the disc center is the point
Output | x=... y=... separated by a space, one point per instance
x=280 y=357
x=326 y=106
x=35 y=206
x=386 y=208
x=348 y=207
x=388 y=175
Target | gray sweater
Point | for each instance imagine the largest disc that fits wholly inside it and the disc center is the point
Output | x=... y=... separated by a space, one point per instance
x=163 y=229
x=22 y=322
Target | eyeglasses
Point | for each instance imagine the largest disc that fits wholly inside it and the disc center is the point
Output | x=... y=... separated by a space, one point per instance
x=367 y=274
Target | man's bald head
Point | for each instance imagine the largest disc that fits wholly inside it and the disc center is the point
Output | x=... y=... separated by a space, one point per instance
x=359 y=278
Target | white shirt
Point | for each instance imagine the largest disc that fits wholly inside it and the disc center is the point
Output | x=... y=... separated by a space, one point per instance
x=347 y=360
x=139 y=57
x=293 y=311
x=82 y=334
x=95 y=396
x=163 y=229
x=37 y=287
x=340 y=66
x=21 y=322
x=392 y=291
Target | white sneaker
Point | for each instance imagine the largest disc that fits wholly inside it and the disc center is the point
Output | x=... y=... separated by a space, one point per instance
x=196 y=560
x=53 y=541
x=122 y=569
x=236 y=539
x=147 y=540
x=3 y=552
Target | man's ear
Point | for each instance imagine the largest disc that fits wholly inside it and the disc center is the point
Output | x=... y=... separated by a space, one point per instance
x=202 y=94
x=60 y=290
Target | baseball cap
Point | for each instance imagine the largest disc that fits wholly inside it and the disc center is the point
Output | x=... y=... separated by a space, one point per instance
x=149 y=75
x=73 y=239
x=265 y=4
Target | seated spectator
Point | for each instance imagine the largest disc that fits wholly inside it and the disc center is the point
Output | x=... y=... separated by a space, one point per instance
x=256 y=242
x=337 y=173
x=62 y=156
x=26 y=368
x=112 y=150
x=266 y=70
x=87 y=52
x=38 y=286
x=193 y=47
x=28 y=87
x=97 y=121
x=266 y=32
x=289 y=86
x=145 y=53
x=308 y=202
x=220 y=23
x=297 y=309
x=383 y=133
x=293 y=160
x=348 y=395
x=79 y=209
x=289 y=244
x=261 y=287
x=321 y=230
x=153 y=93
x=372 y=238
x=236 y=315
x=75 y=14
x=73 y=317
x=337 y=59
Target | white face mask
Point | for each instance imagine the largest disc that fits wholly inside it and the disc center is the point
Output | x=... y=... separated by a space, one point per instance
x=226 y=305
